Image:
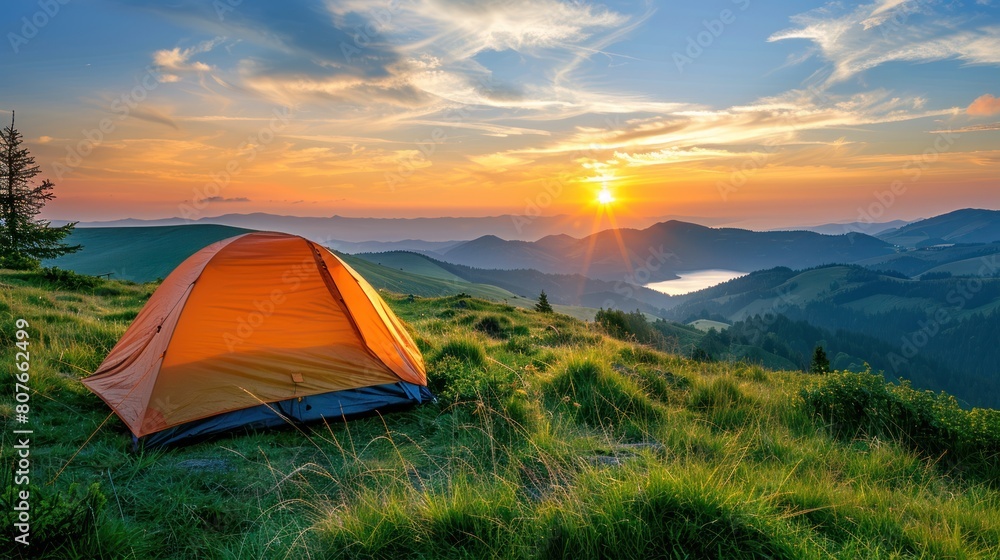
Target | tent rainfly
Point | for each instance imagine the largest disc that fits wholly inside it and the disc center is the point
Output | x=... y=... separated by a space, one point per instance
x=258 y=330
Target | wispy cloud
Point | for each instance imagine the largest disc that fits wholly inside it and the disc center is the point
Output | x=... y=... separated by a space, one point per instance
x=869 y=35
x=420 y=55
x=773 y=120
x=171 y=63
x=153 y=115
x=224 y=199
x=971 y=128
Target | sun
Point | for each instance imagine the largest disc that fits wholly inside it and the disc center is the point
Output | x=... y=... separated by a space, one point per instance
x=605 y=197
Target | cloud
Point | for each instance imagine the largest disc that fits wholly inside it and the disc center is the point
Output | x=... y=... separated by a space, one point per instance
x=675 y=155
x=224 y=199
x=419 y=55
x=497 y=130
x=984 y=105
x=771 y=120
x=973 y=128
x=892 y=31
x=321 y=84
x=171 y=62
x=465 y=29
x=498 y=162
x=150 y=114
x=790 y=128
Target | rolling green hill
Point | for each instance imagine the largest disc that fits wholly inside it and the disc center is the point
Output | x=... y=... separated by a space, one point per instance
x=441 y=283
x=400 y=282
x=564 y=289
x=968 y=259
x=138 y=254
x=414 y=263
x=969 y=225
x=937 y=332
x=549 y=439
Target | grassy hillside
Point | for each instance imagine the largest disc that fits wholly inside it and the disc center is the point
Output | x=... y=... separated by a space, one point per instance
x=440 y=282
x=706 y=325
x=968 y=259
x=549 y=440
x=138 y=254
x=411 y=262
x=402 y=282
x=565 y=289
x=937 y=332
x=969 y=225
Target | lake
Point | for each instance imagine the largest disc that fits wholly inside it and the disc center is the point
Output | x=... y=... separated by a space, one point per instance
x=694 y=280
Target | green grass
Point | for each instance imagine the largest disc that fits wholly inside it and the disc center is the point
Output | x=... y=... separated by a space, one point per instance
x=402 y=282
x=410 y=262
x=548 y=440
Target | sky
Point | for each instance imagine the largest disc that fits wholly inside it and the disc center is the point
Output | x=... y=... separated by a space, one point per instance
x=761 y=114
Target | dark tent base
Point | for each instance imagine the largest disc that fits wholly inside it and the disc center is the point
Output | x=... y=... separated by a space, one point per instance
x=300 y=410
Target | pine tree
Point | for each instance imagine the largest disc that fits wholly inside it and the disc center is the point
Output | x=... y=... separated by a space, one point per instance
x=543 y=305
x=820 y=363
x=23 y=239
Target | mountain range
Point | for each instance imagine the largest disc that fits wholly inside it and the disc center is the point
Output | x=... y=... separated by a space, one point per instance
x=661 y=250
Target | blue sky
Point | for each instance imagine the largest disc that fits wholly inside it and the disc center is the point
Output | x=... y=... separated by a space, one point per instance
x=768 y=113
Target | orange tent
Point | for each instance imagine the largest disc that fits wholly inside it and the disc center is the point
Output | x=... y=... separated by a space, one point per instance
x=258 y=330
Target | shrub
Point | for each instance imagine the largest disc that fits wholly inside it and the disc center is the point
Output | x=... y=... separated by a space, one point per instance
x=17 y=261
x=520 y=345
x=596 y=396
x=863 y=404
x=640 y=355
x=451 y=378
x=720 y=393
x=631 y=326
x=69 y=280
x=494 y=326
x=657 y=515
x=465 y=350
x=59 y=520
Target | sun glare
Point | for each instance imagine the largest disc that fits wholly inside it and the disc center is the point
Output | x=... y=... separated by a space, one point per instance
x=604 y=197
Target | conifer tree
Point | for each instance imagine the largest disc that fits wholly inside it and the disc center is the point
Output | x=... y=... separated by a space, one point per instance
x=543 y=305
x=24 y=240
x=820 y=363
